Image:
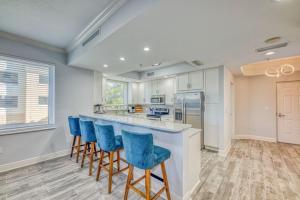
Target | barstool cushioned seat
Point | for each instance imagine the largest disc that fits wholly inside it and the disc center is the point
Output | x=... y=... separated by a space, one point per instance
x=141 y=152
x=87 y=130
x=76 y=133
x=88 y=135
x=160 y=154
x=111 y=144
x=74 y=125
x=106 y=138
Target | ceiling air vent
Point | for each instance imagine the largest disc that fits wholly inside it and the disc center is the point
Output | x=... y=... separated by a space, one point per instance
x=150 y=74
x=91 y=37
x=275 y=46
x=197 y=62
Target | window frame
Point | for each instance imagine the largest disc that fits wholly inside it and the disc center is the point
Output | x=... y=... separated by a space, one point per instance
x=125 y=92
x=51 y=98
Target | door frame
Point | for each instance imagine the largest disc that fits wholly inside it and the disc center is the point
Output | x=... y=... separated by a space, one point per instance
x=278 y=82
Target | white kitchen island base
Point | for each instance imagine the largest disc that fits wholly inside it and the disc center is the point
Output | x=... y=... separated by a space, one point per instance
x=183 y=167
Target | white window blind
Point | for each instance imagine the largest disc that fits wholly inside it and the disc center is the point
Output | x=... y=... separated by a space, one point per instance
x=26 y=93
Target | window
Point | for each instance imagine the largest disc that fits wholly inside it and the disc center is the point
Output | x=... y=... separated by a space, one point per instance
x=43 y=79
x=26 y=94
x=8 y=77
x=115 y=92
x=43 y=100
x=8 y=101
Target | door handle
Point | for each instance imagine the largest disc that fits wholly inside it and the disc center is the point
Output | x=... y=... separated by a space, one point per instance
x=281 y=115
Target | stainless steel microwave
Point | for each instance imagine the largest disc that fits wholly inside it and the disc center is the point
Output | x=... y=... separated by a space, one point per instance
x=158 y=99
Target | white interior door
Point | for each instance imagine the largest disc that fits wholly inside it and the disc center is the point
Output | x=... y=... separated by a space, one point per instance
x=288 y=112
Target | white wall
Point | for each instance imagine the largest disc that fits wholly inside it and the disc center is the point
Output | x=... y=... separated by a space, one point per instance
x=74 y=95
x=256 y=106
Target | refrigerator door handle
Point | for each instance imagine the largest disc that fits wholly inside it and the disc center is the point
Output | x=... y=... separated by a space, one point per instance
x=184 y=113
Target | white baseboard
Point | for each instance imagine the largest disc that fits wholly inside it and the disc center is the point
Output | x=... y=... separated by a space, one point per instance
x=224 y=152
x=188 y=195
x=32 y=161
x=254 y=137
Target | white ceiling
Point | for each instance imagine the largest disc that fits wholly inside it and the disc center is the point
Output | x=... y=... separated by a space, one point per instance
x=55 y=22
x=225 y=32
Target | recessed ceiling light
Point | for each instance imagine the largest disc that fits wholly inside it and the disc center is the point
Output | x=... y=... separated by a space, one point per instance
x=269 y=53
x=156 y=64
x=146 y=49
x=105 y=65
x=122 y=58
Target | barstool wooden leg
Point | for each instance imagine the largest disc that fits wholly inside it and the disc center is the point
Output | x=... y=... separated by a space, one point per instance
x=148 y=183
x=165 y=177
x=111 y=165
x=118 y=160
x=129 y=178
x=95 y=149
x=83 y=156
x=99 y=165
x=91 y=158
x=78 y=148
x=73 y=144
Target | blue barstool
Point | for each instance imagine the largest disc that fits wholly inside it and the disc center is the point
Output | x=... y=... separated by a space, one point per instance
x=108 y=142
x=75 y=131
x=141 y=153
x=89 y=139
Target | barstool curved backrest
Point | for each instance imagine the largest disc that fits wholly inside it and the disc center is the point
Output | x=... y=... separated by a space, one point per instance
x=87 y=130
x=139 y=149
x=105 y=137
x=74 y=125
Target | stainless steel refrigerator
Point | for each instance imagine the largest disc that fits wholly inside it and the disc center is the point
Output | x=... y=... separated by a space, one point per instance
x=189 y=109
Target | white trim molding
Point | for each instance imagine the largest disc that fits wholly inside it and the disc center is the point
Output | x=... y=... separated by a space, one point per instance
x=254 y=137
x=189 y=194
x=31 y=42
x=111 y=8
x=32 y=161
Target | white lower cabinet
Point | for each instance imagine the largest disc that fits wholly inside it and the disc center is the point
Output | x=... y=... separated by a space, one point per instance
x=211 y=125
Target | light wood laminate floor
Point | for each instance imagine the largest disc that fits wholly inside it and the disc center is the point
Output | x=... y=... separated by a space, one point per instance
x=253 y=170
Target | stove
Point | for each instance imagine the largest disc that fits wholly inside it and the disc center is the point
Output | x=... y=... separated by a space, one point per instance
x=156 y=113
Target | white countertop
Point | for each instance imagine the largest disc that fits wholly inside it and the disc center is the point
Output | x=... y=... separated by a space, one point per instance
x=157 y=125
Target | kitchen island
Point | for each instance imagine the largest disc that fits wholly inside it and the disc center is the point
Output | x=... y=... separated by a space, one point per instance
x=183 y=168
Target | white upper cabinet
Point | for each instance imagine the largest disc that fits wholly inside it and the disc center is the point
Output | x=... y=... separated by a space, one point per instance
x=182 y=82
x=155 y=87
x=190 y=81
x=147 y=92
x=212 y=92
x=167 y=87
x=141 y=93
x=133 y=93
x=196 y=80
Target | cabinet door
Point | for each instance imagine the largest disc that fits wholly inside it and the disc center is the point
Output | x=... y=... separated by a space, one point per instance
x=147 y=92
x=141 y=93
x=196 y=80
x=154 y=87
x=212 y=85
x=169 y=90
x=132 y=93
x=182 y=82
x=211 y=127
